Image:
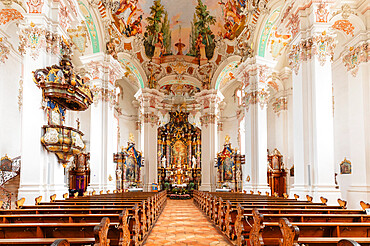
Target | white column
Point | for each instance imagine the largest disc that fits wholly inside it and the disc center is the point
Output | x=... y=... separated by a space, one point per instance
x=313 y=116
x=104 y=71
x=41 y=174
x=209 y=100
x=148 y=99
x=255 y=100
x=359 y=121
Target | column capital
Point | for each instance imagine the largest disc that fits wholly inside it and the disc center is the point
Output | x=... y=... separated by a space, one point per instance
x=280 y=104
x=254 y=72
x=35 y=38
x=259 y=96
x=149 y=99
x=209 y=100
x=320 y=45
x=353 y=56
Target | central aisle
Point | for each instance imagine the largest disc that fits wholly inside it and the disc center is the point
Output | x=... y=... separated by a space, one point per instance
x=182 y=223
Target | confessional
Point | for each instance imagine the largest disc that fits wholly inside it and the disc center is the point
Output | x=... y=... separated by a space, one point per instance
x=276 y=174
x=79 y=173
x=229 y=168
x=128 y=167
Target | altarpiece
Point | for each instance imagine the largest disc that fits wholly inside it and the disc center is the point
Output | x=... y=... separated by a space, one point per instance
x=128 y=166
x=229 y=167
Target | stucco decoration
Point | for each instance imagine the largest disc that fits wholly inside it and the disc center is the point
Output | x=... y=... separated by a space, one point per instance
x=90 y=26
x=345 y=26
x=259 y=96
x=322 y=13
x=35 y=6
x=4 y=50
x=7 y=15
x=354 y=56
x=279 y=105
x=320 y=45
x=32 y=38
x=79 y=37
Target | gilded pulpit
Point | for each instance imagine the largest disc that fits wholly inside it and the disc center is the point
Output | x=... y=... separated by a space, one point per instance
x=229 y=169
x=128 y=166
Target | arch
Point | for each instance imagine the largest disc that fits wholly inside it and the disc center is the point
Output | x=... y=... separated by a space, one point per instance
x=133 y=67
x=172 y=79
x=91 y=27
x=225 y=68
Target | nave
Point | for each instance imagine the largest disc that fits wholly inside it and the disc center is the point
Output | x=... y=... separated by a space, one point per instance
x=209 y=218
x=182 y=223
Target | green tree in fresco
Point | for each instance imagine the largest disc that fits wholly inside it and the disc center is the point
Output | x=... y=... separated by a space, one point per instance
x=201 y=25
x=157 y=23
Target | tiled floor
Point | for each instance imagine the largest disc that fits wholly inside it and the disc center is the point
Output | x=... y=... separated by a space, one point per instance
x=182 y=223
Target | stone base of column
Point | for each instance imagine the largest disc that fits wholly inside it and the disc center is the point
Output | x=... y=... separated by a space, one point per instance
x=300 y=190
x=205 y=187
x=30 y=192
x=355 y=194
x=263 y=188
x=327 y=191
x=94 y=187
x=59 y=190
x=247 y=188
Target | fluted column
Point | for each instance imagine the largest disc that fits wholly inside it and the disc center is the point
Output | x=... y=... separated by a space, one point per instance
x=209 y=101
x=148 y=99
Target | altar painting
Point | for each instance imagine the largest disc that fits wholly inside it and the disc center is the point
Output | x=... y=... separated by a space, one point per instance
x=130 y=169
x=179 y=152
x=225 y=165
x=228 y=165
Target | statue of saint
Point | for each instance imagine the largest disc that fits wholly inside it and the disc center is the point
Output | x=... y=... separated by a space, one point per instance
x=194 y=162
x=164 y=160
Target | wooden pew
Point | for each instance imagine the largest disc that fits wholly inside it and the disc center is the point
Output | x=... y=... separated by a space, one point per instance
x=229 y=215
x=48 y=219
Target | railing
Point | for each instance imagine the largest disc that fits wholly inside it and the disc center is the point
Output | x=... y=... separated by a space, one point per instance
x=5 y=176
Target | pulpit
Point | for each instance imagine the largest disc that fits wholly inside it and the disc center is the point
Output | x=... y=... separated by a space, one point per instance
x=276 y=174
x=229 y=168
x=79 y=173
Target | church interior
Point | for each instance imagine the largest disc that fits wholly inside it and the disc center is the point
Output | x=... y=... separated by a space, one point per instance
x=194 y=122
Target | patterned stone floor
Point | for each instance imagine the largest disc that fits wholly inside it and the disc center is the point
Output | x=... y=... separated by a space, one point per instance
x=182 y=223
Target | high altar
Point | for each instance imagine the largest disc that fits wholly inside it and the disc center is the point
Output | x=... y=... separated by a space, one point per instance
x=128 y=166
x=179 y=149
x=229 y=169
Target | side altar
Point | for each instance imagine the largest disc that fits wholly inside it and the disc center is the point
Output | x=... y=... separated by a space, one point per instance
x=229 y=168
x=128 y=166
x=179 y=151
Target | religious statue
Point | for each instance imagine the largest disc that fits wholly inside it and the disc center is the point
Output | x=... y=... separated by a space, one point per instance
x=194 y=162
x=164 y=160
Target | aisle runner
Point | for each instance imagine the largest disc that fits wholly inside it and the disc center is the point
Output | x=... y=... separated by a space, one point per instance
x=182 y=223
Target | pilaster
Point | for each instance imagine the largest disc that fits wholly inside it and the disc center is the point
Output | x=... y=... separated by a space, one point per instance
x=254 y=73
x=209 y=101
x=104 y=71
x=310 y=57
x=149 y=99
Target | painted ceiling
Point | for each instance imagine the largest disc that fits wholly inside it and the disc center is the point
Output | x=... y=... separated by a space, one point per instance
x=181 y=14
